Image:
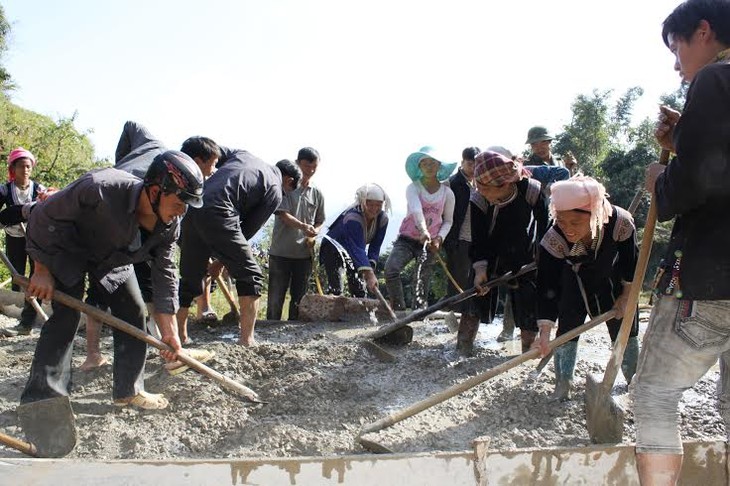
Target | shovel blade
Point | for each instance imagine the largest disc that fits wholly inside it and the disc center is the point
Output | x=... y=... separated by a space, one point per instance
x=604 y=416
x=230 y=319
x=49 y=425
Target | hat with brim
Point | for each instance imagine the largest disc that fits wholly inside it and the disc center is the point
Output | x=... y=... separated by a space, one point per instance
x=538 y=134
x=414 y=171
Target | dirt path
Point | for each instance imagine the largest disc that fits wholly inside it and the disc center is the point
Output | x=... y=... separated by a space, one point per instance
x=322 y=387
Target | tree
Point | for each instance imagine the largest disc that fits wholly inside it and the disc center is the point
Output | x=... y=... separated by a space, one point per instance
x=63 y=153
x=5 y=80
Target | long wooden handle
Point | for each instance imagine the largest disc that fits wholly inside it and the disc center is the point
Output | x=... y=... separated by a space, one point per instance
x=455 y=299
x=614 y=364
x=19 y=445
x=481 y=378
x=448 y=273
x=227 y=293
x=123 y=326
x=385 y=303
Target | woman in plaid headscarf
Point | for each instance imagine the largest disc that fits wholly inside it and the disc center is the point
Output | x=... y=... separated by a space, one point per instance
x=508 y=217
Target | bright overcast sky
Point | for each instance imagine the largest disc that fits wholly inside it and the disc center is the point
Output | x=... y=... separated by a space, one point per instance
x=365 y=83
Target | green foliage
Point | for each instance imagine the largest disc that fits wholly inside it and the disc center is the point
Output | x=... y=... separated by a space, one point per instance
x=62 y=152
x=6 y=82
x=588 y=135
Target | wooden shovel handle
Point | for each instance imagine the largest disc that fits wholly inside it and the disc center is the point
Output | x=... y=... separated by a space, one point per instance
x=481 y=378
x=123 y=326
x=227 y=293
x=614 y=364
x=385 y=303
x=467 y=294
x=20 y=445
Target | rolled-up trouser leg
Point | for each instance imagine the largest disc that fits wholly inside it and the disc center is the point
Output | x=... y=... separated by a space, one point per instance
x=397 y=261
x=334 y=267
x=50 y=371
x=684 y=339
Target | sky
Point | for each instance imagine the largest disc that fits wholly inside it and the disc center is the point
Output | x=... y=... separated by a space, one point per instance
x=365 y=83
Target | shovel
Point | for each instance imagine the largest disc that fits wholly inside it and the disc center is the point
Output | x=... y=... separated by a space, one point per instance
x=420 y=314
x=605 y=417
x=120 y=325
x=49 y=426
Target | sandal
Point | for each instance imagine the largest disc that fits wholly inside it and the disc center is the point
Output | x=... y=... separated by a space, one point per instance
x=144 y=400
x=208 y=317
x=177 y=367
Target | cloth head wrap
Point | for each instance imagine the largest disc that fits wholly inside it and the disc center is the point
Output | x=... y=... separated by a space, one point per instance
x=15 y=154
x=582 y=193
x=372 y=192
x=494 y=169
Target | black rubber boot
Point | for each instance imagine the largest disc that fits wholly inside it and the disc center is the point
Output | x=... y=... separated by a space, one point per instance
x=565 y=357
x=468 y=330
x=631 y=356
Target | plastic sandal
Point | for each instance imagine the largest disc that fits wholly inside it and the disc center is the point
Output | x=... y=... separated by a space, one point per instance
x=144 y=400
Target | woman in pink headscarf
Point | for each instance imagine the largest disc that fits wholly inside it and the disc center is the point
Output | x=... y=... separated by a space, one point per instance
x=19 y=190
x=586 y=264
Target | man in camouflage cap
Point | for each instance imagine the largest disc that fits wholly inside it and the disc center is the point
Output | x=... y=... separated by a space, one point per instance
x=542 y=161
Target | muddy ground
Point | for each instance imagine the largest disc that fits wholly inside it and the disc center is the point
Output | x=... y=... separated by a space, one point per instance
x=322 y=387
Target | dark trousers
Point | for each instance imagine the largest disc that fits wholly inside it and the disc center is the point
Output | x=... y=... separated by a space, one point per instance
x=15 y=249
x=50 y=372
x=287 y=274
x=338 y=267
x=205 y=234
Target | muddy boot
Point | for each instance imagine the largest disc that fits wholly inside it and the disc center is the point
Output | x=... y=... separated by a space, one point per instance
x=468 y=329
x=508 y=323
x=564 y=368
x=631 y=356
x=395 y=294
x=527 y=338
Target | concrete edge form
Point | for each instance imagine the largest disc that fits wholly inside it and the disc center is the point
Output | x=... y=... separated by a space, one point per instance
x=705 y=463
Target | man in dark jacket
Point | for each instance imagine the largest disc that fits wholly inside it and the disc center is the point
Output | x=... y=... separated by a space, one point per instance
x=238 y=199
x=458 y=239
x=689 y=329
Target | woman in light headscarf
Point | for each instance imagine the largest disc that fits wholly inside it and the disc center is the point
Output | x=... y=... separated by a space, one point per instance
x=356 y=235
x=586 y=265
x=19 y=190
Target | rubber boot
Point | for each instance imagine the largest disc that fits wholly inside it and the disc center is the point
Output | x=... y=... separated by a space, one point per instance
x=631 y=356
x=564 y=368
x=527 y=338
x=508 y=323
x=468 y=329
x=395 y=293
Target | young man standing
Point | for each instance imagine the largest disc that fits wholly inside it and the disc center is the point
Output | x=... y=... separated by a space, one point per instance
x=298 y=221
x=239 y=197
x=689 y=329
x=457 y=241
x=93 y=227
